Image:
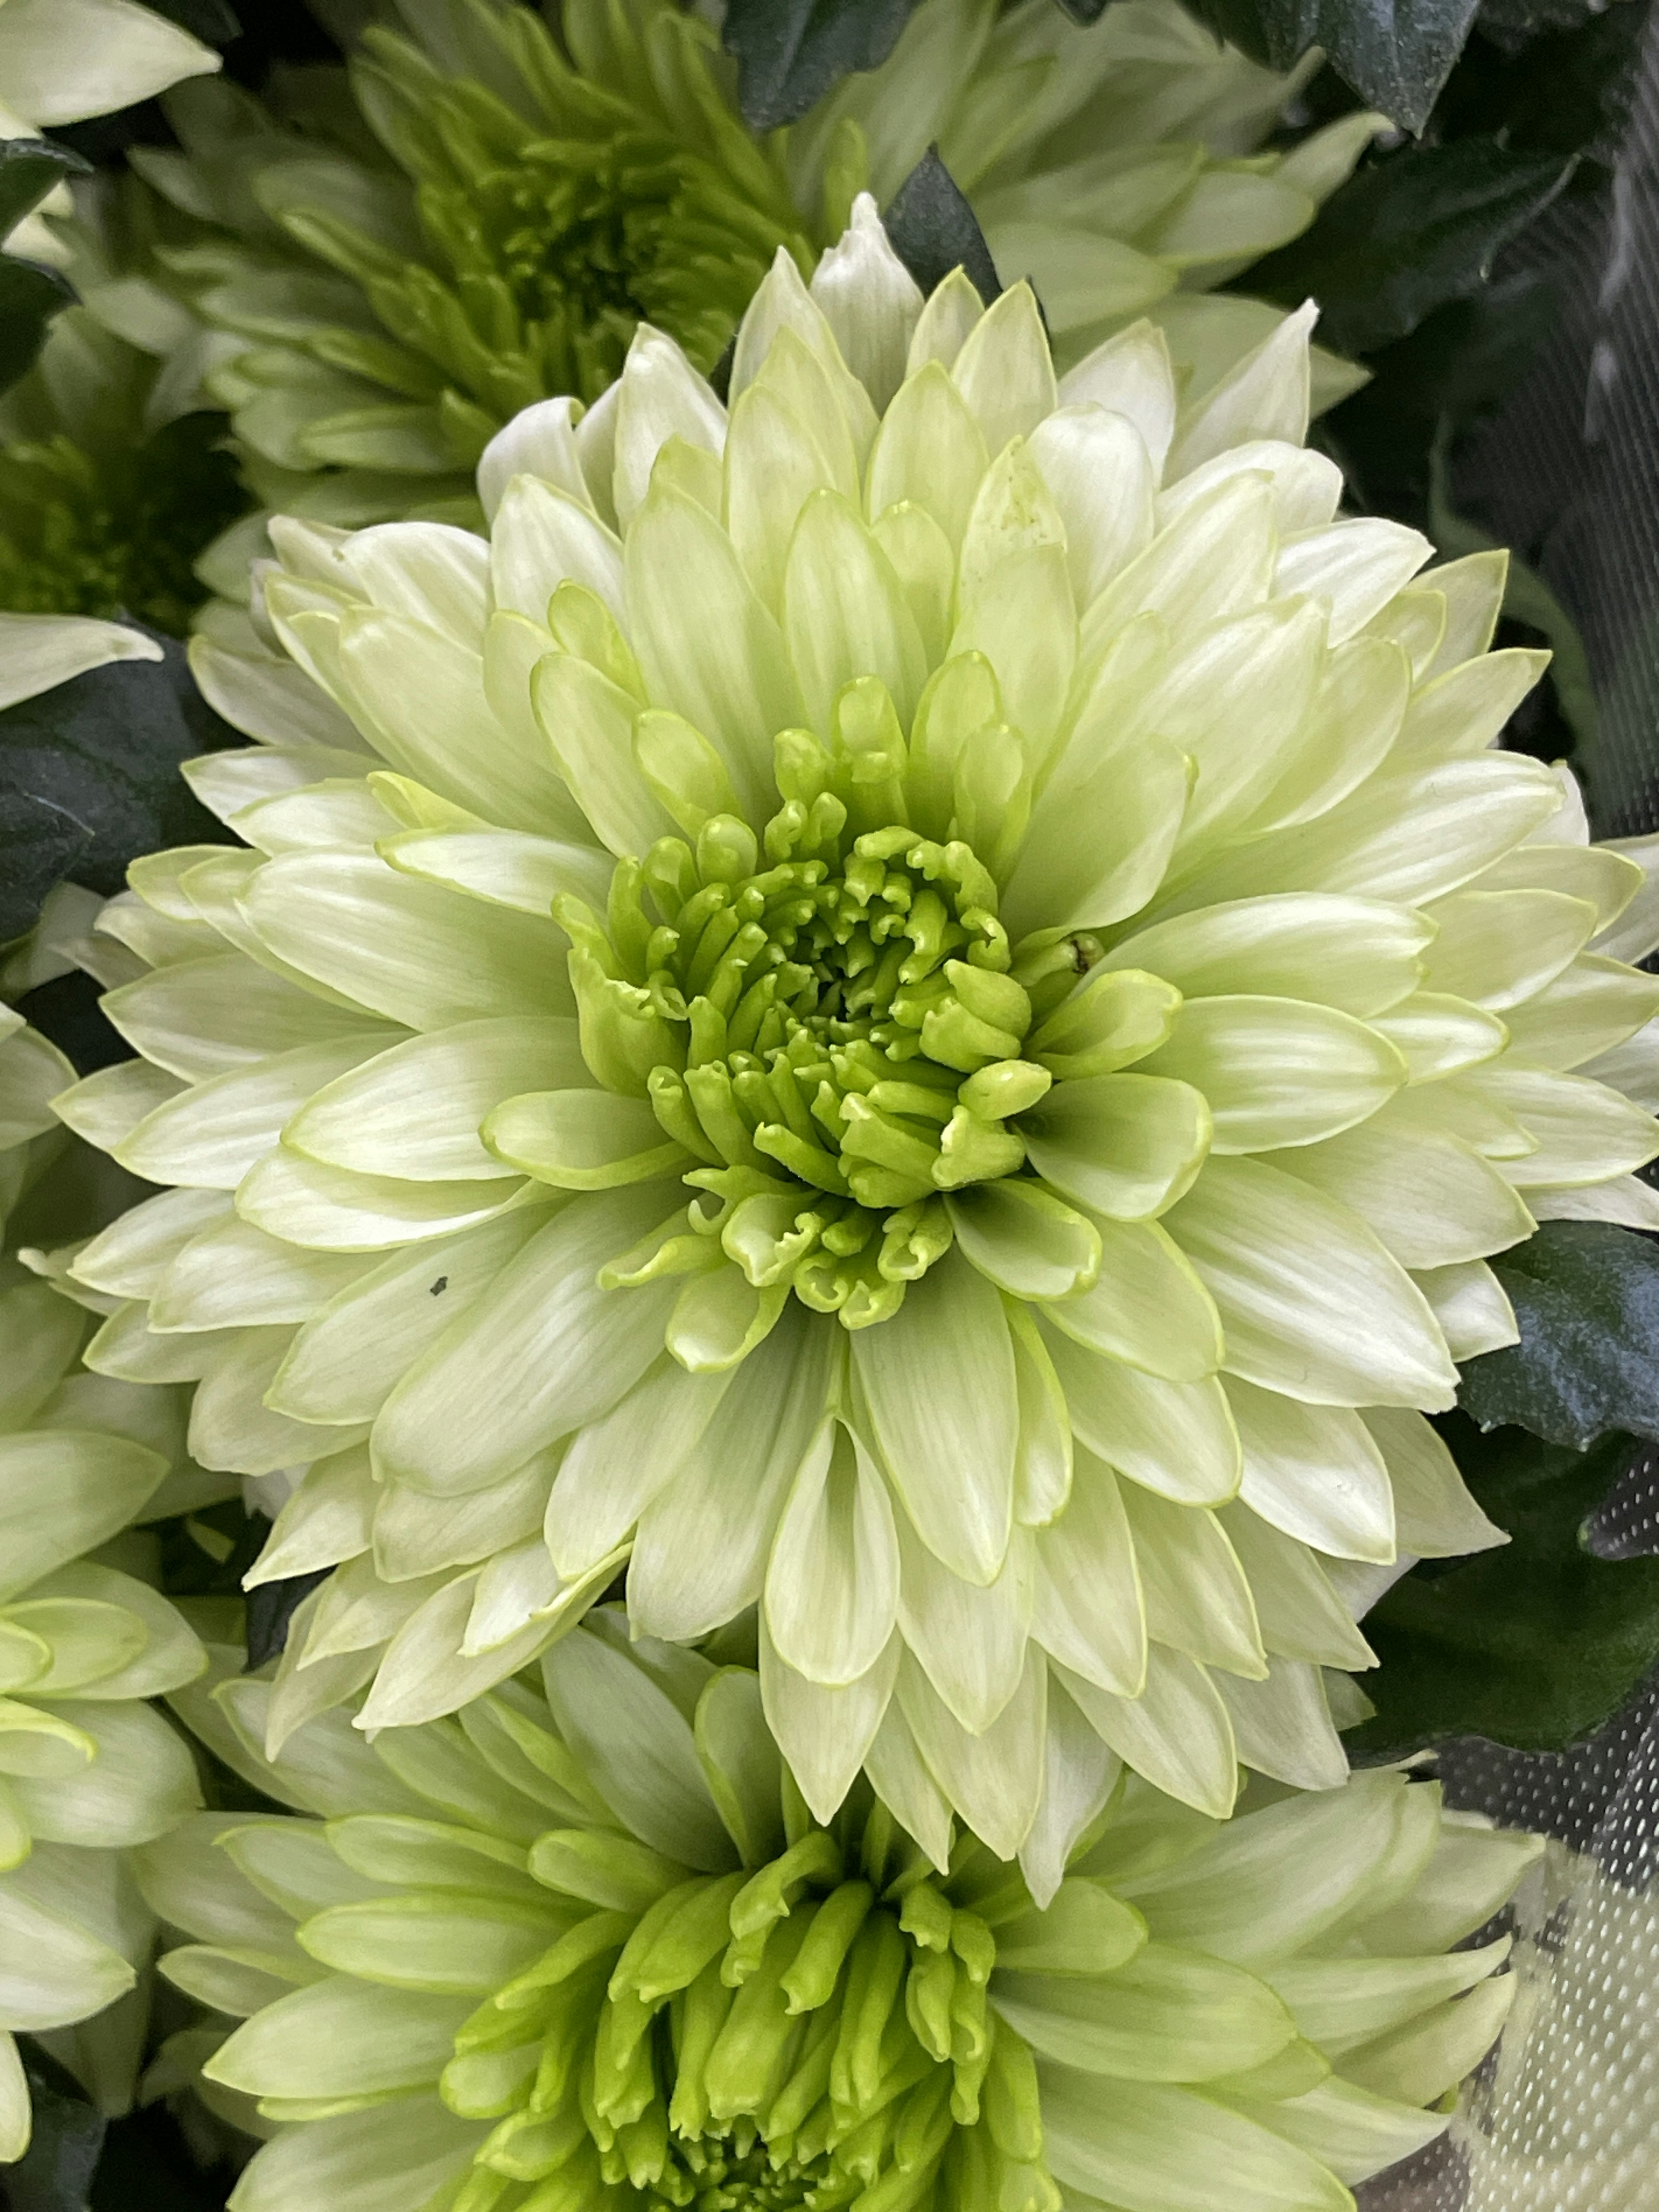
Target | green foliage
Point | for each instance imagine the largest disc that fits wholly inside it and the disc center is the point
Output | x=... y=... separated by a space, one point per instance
x=1540 y=82
x=55 y=2173
x=79 y=2161
x=30 y=294
x=1553 y=76
x=1396 y=54
x=40 y=844
x=1535 y=1645
x=1412 y=233
x=89 y=778
x=1586 y=1299
x=115 y=532
x=29 y=169
x=791 y=53
x=933 y=229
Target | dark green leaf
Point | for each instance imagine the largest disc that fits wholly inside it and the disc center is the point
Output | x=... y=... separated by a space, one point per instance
x=791 y=53
x=1455 y=367
x=149 y=2165
x=1407 y=236
x=67 y=1011
x=39 y=845
x=102 y=753
x=212 y=21
x=55 y=2173
x=271 y=1608
x=934 y=230
x=1534 y=1645
x=30 y=295
x=1396 y=54
x=1557 y=79
x=1586 y=1299
x=29 y=169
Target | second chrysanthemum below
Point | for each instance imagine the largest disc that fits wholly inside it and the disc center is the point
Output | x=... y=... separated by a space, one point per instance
x=590 y=1949
x=1062 y=1000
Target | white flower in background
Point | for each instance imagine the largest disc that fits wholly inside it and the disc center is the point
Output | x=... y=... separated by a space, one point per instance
x=87 y=1768
x=62 y=61
x=1115 y=165
x=389 y=264
x=1039 y=883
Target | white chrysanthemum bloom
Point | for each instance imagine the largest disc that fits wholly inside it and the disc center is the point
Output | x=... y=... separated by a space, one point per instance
x=481 y=212
x=919 y=1002
x=1116 y=165
x=63 y=60
x=87 y=1768
x=587 y=1946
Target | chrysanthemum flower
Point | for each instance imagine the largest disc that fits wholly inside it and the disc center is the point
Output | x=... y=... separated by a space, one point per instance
x=104 y=509
x=594 y=1949
x=1115 y=165
x=87 y=1768
x=541 y=198
x=920 y=1003
x=62 y=60
x=545 y=193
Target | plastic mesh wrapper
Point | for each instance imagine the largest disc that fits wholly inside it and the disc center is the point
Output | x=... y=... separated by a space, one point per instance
x=1565 y=2117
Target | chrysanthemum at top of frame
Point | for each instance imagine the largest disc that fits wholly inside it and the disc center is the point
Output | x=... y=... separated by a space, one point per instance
x=918 y=999
x=387 y=264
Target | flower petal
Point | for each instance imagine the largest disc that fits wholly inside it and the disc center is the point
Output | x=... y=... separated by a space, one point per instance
x=544 y=1347
x=1177 y=1438
x=1312 y=1303
x=832 y=1581
x=939 y=1378
x=1176 y=1732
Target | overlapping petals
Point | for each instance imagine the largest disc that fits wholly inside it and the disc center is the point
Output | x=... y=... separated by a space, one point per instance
x=368 y=323
x=86 y=1766
x=587 y=1945
x=1118 y=165
x=63 y=60
x=1040 y=883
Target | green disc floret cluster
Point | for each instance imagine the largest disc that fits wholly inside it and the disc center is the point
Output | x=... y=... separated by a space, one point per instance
x=106 y=501
x=843 y=1019
x=783 y=2036
x=551 y=198
x=89 y=533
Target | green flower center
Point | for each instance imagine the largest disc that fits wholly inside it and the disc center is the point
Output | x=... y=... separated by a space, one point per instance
x=793 y=2036
x=585 y=240
x=835 y=1036
x=118 y=532
x=831 y=1012
x=736 y=2174
x=556 y=221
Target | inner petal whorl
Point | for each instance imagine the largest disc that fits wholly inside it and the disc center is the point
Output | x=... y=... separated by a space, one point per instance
x=836 y=1035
